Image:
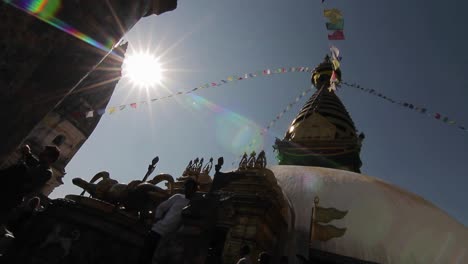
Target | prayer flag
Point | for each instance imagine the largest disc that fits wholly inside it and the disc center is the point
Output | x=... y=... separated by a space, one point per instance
x=339 y=25
x=89 y=114
x=335 y=52
x=111 y=110
x=122 y=107
x=230 y=78
x=336 y=64
x=337 y=35
x=326 y=215
x=133 y=105
x=334 y=15
x=437 y=116
x=332 y=87
x=326 y=232
x=334 y=78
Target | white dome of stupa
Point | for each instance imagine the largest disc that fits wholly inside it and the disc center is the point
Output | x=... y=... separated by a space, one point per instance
x=385 y=223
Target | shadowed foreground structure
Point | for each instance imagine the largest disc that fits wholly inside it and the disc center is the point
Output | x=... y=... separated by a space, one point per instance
x=40 y=65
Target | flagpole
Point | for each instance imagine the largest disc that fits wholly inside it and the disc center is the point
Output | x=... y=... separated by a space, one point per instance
x=312 y=224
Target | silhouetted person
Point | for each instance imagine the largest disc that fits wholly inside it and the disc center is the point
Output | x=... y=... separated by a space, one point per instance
x=26 y=177
x=264 y=258
x=168 y=219
x=244 y=255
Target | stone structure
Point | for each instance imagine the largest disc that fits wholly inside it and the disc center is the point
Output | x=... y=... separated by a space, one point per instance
x=67 y=126
x=323 y=133
x=40 y=65
x=243 y=207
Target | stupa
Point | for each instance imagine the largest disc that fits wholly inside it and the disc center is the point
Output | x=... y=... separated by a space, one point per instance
x=338 y=215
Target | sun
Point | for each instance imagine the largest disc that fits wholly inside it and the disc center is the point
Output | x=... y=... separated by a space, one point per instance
x=143 y=69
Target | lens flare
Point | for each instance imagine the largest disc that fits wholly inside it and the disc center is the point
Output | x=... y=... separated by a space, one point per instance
x=143 y=69
x=46 y=10
x=235 y=133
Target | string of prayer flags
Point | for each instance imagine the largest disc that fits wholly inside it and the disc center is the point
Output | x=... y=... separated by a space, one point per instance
x=422 y=110
x=231 y=78
x=335 y=23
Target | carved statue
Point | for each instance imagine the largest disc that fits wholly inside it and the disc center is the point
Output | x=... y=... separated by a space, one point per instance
x=261 y=162
x=134 y=196
x=243 y=162
x=251 y=160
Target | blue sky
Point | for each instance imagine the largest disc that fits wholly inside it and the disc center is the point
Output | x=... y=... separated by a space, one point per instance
x=408 y=50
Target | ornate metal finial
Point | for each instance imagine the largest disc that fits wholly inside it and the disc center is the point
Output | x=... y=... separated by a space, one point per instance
x=260 y=163
x=208 y=166
x=251 y=161
x=243 y=162
x=151 y=167
x=199 y=166
x=326 y=59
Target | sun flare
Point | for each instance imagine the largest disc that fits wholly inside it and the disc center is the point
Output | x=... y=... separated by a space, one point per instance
x=143 y=69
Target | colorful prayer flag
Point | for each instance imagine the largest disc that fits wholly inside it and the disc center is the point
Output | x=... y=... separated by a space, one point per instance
x=334 y=15
x=336 y=64
x=335 y=52
x=111 y=110
x=339 y=25
x=336 y=35
x=122 y=107
x=133 y=105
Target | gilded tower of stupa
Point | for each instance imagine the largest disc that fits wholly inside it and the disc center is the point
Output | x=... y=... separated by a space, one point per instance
x=323 y=134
